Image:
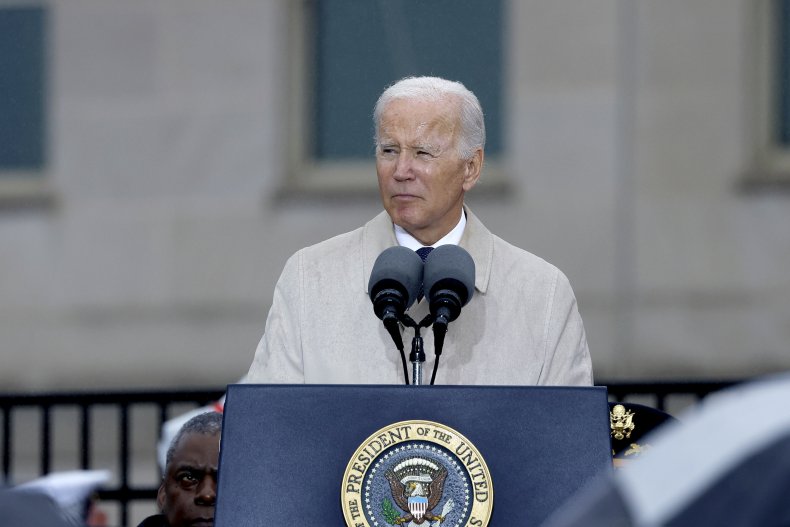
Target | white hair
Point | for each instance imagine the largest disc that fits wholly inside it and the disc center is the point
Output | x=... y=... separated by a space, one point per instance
x=473 y=129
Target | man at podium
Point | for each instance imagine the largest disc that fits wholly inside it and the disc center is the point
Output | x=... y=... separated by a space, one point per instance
x=521 y=326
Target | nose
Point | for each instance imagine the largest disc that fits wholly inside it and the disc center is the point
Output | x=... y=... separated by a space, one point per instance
x=403 y=167
x=206 y=493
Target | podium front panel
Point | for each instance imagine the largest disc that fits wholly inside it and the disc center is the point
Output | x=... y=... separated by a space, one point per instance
x=285 y=448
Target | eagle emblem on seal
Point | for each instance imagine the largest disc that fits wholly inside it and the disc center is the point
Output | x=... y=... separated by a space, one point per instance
x=417 y=485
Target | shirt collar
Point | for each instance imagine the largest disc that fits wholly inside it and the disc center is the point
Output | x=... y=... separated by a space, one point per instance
x=453 y=237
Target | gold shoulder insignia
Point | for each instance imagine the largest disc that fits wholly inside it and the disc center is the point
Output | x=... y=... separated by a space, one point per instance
x=621 y=422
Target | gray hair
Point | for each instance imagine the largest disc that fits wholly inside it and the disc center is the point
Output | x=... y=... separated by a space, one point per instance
x=209 y=423
x=473 y=129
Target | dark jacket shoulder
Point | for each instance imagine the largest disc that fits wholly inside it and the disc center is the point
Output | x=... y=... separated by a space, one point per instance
x=157 y=520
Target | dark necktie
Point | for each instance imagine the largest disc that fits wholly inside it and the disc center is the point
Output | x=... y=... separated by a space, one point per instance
x=423 y=252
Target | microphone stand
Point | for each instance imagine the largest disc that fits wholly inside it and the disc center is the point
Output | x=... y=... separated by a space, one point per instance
x=417 y=355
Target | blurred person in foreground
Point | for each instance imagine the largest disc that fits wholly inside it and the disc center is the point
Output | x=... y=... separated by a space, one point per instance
x=725 y=461
x=521 y=326
x=30 y=509
x=57 y=499
x=188 y=492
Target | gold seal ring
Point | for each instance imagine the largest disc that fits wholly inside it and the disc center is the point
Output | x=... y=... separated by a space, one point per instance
x=417 y=473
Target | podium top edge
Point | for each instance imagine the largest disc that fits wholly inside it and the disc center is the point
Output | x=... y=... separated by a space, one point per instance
x=458 y=387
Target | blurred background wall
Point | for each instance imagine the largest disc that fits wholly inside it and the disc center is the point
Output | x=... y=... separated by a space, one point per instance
x=178 y=166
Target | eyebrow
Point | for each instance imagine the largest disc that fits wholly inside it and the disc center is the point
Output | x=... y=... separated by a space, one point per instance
x=426 y=146
x=418 y=146
x=193 y=468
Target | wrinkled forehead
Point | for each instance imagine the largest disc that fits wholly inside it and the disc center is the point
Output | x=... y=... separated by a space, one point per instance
x=418 y=119
x=196 y=449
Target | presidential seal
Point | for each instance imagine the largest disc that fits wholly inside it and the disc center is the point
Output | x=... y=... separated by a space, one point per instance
x=417 y=473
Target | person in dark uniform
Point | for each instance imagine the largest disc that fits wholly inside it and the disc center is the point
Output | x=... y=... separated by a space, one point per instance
x=188 y=491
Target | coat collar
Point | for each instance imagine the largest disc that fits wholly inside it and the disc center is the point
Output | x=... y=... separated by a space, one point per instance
x=379 y=234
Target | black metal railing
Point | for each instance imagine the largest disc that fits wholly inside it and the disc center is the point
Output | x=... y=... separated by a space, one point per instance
x=658 y=395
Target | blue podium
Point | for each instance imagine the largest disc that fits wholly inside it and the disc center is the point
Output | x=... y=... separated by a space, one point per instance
x=362 y=455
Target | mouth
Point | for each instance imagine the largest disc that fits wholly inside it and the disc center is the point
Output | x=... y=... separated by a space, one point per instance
x=202 y=522
x=404 y=197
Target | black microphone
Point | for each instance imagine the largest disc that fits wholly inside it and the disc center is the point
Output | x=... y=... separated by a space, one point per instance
x=394 y=285
x=449 y=280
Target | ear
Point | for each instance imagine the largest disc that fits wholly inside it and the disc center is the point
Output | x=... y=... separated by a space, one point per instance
x=160 y=497
x=473 y=166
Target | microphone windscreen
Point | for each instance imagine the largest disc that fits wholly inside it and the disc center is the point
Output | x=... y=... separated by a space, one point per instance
x=448 y=264
x=401 y=265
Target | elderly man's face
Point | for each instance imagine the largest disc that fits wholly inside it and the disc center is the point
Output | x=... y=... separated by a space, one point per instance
x=189 y=491
x=422 y=178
